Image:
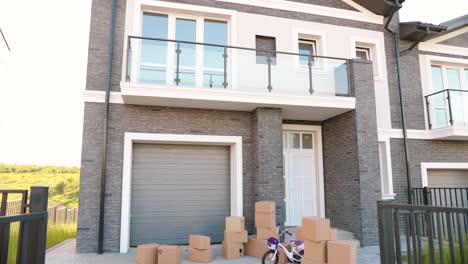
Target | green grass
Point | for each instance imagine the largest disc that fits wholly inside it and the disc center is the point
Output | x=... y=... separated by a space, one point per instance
x=63 y=182
x=445 y=252
x=55 y=235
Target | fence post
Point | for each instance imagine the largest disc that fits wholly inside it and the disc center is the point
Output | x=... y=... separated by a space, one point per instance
x=37 y=230
x=386 y=233
x=55 y=215
x=427 y=195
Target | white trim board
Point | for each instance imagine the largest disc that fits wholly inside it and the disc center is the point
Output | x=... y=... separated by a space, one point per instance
x=91 y=96
x=313 y=9
x=425 y=166
x=447 y=36
x=439 y=133
x=235 y=143
x=439 y=48
x=318 y=132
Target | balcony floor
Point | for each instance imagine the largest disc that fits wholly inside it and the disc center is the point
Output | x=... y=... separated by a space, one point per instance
x=295 y=107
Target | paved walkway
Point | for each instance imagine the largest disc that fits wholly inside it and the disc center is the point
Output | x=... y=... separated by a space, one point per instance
x=65 y=253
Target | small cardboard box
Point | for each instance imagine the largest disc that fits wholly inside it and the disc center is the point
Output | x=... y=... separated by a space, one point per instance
x=308 y=261
x=169 y=254
x=264 y=207
x=333 y=234
x=298 y=233
x=283 y=259
x=265 y=220
x=315 y=251
x=147 y=254
x=203 y=256
x=232 y=250
x=341 y=252
x=255 y=247
x=235 y=237
x=266 y=233
x=199 y=242
x=235 y=223
x=316 y=228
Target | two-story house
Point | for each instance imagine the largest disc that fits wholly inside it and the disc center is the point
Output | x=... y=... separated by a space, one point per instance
x=195 y=110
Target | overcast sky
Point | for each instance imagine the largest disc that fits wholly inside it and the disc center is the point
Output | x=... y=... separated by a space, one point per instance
x=41 y=107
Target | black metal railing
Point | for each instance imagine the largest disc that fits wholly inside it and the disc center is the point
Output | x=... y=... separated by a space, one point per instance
x=414 y=234
x=29 y=227
x=186 y=63
x=446 y=108
x=440 y=196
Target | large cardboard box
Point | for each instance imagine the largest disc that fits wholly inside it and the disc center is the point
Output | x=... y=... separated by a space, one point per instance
x=308 y=261
x=316 y=228
x=203 y=256
x=232 y=250
x=255 y=247
x=199 y=242
x=235 y=237
x=266 y=233
x=169 y=254
x=265 y=220
x=264 y=207
x=283 y=259
x=333 y=234
x=315 y=251
x=235 y=223
x=299 y=234
x=341 y=252
x=147 y=254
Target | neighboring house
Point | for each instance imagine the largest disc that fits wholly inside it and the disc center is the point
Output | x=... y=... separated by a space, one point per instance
x=197 y=132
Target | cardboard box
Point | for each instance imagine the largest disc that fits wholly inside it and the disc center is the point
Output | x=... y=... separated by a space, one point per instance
x=235 y=237
x=316 y=228
x=169 y=254
x=232 y=250
x=283 y=259
x=265 y=207
x=308 y=261
x=265 y=220
x=341 y=252
x=203 y=256
x=199 y=242
x=333 y=234
x=147 y=254
x=298 y=233
x=266 y=233
x=315 y=251
x=235 y=223
x=255 y=247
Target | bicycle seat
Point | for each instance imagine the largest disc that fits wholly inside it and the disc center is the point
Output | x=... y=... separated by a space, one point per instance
x=296 y=242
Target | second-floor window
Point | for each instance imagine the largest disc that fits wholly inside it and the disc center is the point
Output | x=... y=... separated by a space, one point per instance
x=454 y=79
x=363 y=53
x=266 y=47
x=199 y=65
x=309 y=48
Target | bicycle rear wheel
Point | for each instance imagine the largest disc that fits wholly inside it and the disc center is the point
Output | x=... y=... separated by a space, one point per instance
x=267 y=258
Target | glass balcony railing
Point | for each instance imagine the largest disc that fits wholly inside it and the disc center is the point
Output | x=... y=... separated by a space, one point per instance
x=447 y=108
x=201 y=65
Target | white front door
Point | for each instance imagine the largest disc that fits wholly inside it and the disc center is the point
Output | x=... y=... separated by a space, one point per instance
x=301 y=177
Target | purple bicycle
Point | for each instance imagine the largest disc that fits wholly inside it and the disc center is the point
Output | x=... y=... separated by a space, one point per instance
x=276 y=248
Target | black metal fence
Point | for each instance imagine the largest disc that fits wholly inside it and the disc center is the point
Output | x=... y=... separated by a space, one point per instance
x=29 y=226
x=417 y=234
x=449 y=197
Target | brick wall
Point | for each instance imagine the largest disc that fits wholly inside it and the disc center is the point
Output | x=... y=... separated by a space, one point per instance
x=351 y=161
x=262 y=158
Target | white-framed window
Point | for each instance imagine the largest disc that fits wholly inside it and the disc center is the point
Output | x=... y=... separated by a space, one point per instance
x=363 y=53
x=307 y=47
x=199 y=65
x=452 y=77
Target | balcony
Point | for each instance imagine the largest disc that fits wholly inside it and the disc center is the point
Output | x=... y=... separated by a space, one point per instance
x=199 y=75
x=447 y=114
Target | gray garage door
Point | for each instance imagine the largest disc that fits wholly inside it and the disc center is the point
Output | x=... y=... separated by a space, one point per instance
x=179 y=190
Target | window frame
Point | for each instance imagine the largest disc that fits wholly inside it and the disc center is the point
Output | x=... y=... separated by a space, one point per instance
x=313 y=43
x=365 y=50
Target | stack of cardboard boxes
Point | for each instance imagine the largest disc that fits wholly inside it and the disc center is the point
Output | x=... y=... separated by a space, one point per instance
x=200 y=249
x=235 y=236
x=265 y=222
x=320 y=245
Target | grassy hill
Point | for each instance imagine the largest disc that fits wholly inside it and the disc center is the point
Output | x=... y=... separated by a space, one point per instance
x=63 y=182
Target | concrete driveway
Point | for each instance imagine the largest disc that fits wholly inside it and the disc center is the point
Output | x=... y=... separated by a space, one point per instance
x=65 y=253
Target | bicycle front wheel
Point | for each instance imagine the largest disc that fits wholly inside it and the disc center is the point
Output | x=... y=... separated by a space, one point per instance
x=269 y=259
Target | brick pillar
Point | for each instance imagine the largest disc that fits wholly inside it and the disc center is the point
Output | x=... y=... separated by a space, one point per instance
x=351 y=161
x=268 y=158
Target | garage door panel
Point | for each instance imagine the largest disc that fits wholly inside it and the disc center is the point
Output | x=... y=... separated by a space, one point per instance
x=179 y=190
